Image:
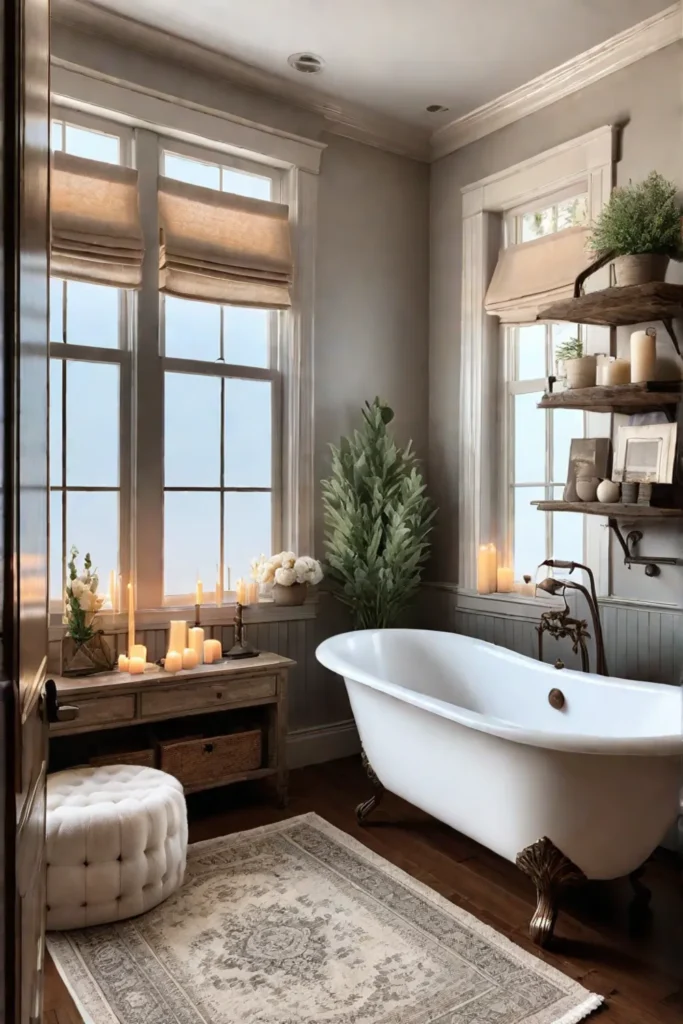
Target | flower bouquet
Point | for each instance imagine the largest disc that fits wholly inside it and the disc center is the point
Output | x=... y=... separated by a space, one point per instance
x=84 y=650
x=288 y=575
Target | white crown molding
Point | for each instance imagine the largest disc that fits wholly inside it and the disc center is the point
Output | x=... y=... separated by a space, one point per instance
x=341 y=118
x=618 y=52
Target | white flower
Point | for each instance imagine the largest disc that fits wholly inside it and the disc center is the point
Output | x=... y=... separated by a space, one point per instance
x=308 y=570
x=266 y=572
x=77 y=587
x=257 y=566
x=288 y=558
x=88 y=601
x=286 y=576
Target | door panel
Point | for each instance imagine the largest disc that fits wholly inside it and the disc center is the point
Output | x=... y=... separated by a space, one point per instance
x=25 y=241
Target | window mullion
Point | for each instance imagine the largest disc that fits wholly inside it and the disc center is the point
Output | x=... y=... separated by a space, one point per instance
x=146 y=560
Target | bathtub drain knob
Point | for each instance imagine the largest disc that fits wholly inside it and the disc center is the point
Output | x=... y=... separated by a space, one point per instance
x=556 y=699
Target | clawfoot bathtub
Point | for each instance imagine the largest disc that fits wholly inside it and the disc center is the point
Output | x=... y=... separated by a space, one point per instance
x=569 y=775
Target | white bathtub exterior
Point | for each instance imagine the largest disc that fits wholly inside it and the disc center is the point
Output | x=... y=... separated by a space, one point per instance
x=463 y=729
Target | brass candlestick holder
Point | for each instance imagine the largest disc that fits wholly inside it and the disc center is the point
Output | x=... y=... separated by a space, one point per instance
x=240 y=648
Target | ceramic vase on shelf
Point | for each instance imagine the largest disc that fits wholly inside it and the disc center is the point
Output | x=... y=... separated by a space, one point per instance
x=609 y=492
x=587 y=488
x=640 y=269
x=581 y=372
x=293 y=595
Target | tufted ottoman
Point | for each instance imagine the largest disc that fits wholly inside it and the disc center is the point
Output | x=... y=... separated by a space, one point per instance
x=116 y=843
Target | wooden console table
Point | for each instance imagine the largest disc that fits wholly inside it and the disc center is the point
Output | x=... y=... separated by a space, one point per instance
x=156 y=710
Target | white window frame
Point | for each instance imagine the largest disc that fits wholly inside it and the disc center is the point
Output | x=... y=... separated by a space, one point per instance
x=587 y=163
x=295 y=164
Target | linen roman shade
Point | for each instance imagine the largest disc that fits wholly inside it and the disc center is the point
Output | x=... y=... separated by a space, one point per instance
x=96 y=235
x=221 y=247
x=531 y=276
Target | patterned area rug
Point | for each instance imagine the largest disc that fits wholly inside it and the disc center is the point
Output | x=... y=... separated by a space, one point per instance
x=297 y=923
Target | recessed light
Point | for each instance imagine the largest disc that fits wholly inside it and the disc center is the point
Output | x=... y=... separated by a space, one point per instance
x=435 y=108
x=307 y=63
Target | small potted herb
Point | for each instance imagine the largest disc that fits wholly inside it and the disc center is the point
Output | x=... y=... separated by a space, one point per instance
x=580 y=370
x=641 y=226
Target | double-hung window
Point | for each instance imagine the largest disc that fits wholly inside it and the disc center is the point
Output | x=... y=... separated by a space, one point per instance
x=148 y=387
x=537 y=441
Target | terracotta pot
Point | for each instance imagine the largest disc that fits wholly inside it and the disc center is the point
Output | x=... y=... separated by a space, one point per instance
x=581 y=372
x=640 y=269
x=294 y=595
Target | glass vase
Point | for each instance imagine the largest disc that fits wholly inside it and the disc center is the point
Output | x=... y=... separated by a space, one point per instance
x=86 y=657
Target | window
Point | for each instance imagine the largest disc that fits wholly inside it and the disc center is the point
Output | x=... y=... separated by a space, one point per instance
x=165 y=414
x=538 y=440
x=89 y=374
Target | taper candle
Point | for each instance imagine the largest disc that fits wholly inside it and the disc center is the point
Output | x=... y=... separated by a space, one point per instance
x=131 y=618
x=643 y=356
x=195 y=640
x=219 y=587
x=173 y=661
x=112 y=590
x=199 y=593
x=190 y=658
x=483 y=580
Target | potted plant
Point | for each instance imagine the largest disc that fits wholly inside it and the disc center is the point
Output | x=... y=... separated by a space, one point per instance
x=378 y=519
x=580 y=370
x=288 y=575
x=84 y=650
x=641 y=227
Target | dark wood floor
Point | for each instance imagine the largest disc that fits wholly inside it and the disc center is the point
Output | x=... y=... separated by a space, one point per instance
x=635 y=961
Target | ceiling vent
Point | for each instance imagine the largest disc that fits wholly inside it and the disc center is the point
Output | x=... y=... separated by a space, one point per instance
x=306 y=63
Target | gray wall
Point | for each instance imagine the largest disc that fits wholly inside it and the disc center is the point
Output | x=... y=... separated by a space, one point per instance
x=646 y=99
x=371 y=311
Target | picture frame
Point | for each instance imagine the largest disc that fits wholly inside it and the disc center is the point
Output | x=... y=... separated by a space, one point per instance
x=645 y=454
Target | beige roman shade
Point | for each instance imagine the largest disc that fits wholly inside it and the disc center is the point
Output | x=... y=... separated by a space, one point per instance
x=531 y=276
x=220 y=247
x=96 y=235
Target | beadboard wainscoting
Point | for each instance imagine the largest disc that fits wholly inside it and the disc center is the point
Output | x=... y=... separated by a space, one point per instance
x=641 y=642
x=321 y=727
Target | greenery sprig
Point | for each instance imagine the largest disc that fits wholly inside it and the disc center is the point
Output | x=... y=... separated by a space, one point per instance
x=641 y=218
x=570 y=349
x=378 y=519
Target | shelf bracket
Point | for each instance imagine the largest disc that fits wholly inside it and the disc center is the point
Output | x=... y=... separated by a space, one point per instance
x=629 y=544
x=669 y=324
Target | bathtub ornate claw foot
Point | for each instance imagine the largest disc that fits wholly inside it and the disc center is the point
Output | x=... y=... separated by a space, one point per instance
x=368 y=806
x=465 y=731
x=551 y=872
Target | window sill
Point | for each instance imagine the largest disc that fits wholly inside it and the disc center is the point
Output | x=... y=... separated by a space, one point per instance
x=513 y=606
x=158 y=618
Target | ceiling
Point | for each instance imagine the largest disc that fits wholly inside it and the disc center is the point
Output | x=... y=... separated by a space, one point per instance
x=397 y=56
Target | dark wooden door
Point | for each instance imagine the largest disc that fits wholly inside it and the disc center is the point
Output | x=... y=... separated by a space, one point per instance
x=24 y=501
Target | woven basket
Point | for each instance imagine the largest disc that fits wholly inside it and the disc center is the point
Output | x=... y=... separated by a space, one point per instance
x=208 y=760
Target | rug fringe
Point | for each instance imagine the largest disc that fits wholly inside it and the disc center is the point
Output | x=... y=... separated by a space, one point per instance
x=590 y=1005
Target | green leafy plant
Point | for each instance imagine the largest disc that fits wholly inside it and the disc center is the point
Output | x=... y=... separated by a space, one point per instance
x=570 y=349
x=82 y=600
x=641 y=218
x=378 y=519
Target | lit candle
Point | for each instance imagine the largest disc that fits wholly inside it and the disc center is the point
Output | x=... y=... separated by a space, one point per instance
x=505 y=580
x=173 y=661
x=527 y=588
x=195 y=640
x=136 y=666
x=212 y=651
x=219 y=587
x=138 y=651
x=483 y=581
x=131 y=618
x=643 y=356
x=119 y=591
x=190 y=658
x=252 y=593
x=240 y=591
x=112 y=590
x=199 y=593
x=177 y=635
x=123 y=663
x=619 y=371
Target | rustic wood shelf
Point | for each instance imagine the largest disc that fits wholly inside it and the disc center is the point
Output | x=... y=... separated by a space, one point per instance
x=614 y=511
x=622 y=307
x=622 y=398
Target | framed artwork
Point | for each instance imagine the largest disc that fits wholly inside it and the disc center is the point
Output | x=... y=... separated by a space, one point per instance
x=589 y=458
x=645 y=454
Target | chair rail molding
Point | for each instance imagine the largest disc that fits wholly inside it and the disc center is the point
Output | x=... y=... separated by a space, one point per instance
x=588 y=161
x=612 y=55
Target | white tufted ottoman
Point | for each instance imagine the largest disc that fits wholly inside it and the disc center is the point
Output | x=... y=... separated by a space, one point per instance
x=116 y=843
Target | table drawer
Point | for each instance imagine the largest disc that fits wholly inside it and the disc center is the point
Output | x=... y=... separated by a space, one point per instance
x=197 y=696
x=98 y=711
x=204 y=761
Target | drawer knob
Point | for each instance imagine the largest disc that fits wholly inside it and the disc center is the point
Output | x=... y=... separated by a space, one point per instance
x=208 y=748
x=219 y=694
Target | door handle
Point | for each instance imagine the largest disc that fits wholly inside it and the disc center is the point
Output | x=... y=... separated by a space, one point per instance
x=54 y=711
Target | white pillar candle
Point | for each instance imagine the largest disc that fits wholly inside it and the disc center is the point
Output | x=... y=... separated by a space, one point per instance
x=619 y=371
x=252 y=593
x=212 y=651
x=190 y=658
x=199 y=593
x=195 y=640
x=138 y=651
x=643 y=356
x=505 y=580
x=177 y=635
x=173 y=661
x=123 y=663
x=136 y=666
